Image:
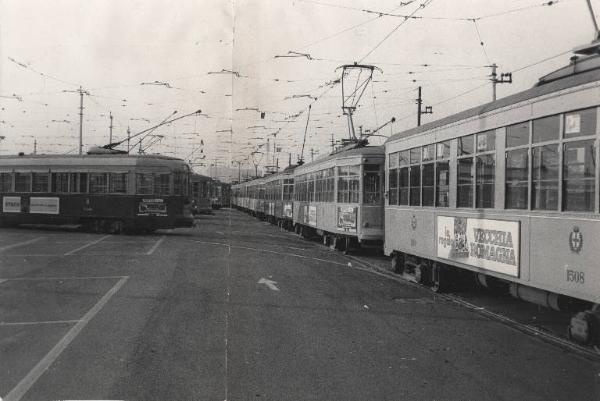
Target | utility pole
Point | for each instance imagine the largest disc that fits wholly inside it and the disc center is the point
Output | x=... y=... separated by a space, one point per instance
x=81 y=93
x=332 y=143
x=505 y=78
x=312 y=154
x=111 y=127
x=35 y=146
x=428 y=109
x=128 y=138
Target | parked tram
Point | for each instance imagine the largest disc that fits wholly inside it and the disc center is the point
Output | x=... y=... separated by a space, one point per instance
x=201 y=194
x=508 y=190
x=279 y=196
x=102 y=192
x=340 y=197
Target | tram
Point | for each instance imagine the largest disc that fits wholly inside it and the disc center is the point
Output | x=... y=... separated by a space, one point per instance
x=340 y=197
x=279 y=196
x=102 y=192
x=201 y=194
x=507 y=190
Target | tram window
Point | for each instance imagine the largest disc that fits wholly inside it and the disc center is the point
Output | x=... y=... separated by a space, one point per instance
x=98 y=183
x=143 y=183
x=442 y=183
x=403 y=186
x=485 y=181
x=415 y=185
x=466 y=145
x=60 y=182
x=544 y=190
x=22 y=182
x=39 y=182
x=545 y=129
x=354 y=183
x=579 y=168
x=372 y=184
x=517 y=134
x=78 y=182
x=428 y=184
x=415 y=155
x=486 y=141
x=162 y=185
x=330 y=184
x=117 y=183
x=517 y=176
x=5 y=182
x=403 y=158
x=443 y=150
x=465 y=182
x=311 y=187
x=580 y=123
x=428 y=152
x=180 y=183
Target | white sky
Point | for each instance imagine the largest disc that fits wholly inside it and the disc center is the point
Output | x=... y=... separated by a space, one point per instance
x=111 y=47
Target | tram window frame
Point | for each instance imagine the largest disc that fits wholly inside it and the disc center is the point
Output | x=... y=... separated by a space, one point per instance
x=403 y=177
x=393 y=169
x=442 y=166
x=464 y=187
x=180 y=182
x=159 y=186
x=144 y=183
x=372 y=181
x=6 y=185
x=517 y=164
x=580 y=173
x=428 y=175
x=60 y=182
x=98 y=183
x=545 y=129
x=117 y=183
x=25 y=184
x=580 y=123
x=40 y=182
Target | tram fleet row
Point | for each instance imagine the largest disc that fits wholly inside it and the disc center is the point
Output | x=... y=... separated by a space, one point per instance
x=507 y=191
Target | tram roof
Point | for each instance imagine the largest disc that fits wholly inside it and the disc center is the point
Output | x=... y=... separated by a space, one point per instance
x=580 y=73
x=91 y=160
x=361 y=151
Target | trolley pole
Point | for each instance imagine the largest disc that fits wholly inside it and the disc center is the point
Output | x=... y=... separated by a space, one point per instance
x=420 y=111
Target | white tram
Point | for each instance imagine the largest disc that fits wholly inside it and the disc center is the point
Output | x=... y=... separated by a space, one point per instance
x=340 y=197
x=508 y=190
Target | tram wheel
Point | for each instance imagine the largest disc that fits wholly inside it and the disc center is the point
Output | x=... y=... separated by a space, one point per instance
x=436 y=282
x=397 y=263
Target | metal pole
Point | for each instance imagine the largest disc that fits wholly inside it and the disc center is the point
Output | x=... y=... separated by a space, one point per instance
x=111 y=127
x=80 y=120
x=494 y=81
x=128 y=138
x=419 y=101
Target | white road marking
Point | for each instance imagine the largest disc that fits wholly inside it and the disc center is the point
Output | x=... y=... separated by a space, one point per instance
x=151 y=251
x=31 y=241
x=86 y=245
x=63 y=278
x=43 y=322
x=269 y=283
x=28 y=381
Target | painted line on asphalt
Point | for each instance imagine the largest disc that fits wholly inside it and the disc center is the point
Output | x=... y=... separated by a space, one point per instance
x=151 y=251
x=63 y=278
x=42 y=322
x=270 y=251
x=28 y=381
x=31 y=241
x=86 y=245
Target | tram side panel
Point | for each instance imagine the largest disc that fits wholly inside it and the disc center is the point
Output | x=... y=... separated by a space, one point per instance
x=565 y=254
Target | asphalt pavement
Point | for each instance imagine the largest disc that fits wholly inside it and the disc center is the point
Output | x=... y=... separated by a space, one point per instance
x=237 y=309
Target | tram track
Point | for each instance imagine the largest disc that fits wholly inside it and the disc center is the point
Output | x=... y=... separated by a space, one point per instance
x=531 y=330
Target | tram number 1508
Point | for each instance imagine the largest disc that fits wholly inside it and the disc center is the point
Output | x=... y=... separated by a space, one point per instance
x=576 y=276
